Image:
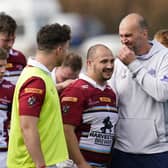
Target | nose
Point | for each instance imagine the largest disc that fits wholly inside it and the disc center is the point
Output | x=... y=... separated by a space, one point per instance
x=124 y=40
x=110 y=65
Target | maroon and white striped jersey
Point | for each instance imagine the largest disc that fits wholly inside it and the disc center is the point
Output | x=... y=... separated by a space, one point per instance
x=16 y=61
x=6 y=96
x=94 y=113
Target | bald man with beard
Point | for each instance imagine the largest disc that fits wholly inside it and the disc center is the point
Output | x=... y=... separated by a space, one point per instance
x=140 y=79
x=90 y=111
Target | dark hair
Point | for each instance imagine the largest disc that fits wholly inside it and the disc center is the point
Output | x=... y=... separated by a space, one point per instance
x=143 y=23
x=3 y=54
x=50 y=36
x=7 y=24
x=73 y=60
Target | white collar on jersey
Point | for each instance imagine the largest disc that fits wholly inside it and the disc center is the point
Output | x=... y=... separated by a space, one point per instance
x=91 y=81
x=37 y=64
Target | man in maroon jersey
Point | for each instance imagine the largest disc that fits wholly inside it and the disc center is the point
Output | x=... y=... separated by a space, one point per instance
x=16 y=61
x=69 y=70
x=90 y=111
x=6 y=95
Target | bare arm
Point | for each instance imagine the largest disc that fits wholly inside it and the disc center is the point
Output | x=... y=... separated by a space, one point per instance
x=32 y=139
x=73 y=147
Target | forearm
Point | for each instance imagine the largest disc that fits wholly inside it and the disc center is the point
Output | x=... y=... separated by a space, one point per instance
x=64 y=84
x=154 y=86
x=59 y=86
x=74 y=150
x=32 y=142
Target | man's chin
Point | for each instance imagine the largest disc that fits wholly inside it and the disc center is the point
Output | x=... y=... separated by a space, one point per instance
x=107 y=78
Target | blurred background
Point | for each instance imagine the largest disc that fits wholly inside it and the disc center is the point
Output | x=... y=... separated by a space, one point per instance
x=92 y=21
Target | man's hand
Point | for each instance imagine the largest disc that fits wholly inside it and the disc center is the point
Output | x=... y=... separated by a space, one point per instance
x=126 y=55
x=63 y=85
x=67 y=82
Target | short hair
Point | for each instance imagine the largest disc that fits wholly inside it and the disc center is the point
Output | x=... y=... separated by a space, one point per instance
x=143 y=23
x=3 y=54
x=162 y=36
x=50 y=36
x=73 y=60
x=92 y=50
x=7 y=24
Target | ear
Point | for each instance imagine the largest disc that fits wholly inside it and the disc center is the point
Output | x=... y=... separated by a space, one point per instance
x=89 y=61
x=145 y=33
x=58 y=49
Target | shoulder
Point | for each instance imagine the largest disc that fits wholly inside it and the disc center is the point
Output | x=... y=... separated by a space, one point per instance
x=76 y=88
x=34 y=82
x=14 y=52
x=17 y=56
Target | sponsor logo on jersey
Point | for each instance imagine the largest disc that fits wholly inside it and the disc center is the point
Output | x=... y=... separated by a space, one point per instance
x=5 y=100
x=105 y=99
x=7 y=86
x=9 y=65
x=85 y=86
x=20 y=67
x=33 y=90
x=69 y=99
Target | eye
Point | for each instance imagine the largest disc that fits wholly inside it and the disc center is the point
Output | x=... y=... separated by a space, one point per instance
x=104 y=61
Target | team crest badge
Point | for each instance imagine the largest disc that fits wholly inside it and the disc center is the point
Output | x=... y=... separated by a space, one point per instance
x=65 y=108
x=31 y=101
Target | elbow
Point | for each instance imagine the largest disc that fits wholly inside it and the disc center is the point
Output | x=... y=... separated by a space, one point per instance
x=161 y=97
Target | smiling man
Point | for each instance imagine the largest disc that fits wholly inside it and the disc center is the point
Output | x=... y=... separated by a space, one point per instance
x=90 y=112
x=141 y=80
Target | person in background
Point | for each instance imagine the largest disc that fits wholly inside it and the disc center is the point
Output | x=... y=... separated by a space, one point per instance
x=140 y=79
x=162 y=36
x=6 y=96
x=16 y=61
x=69 y=70
x=37 y=137
x=89 y=109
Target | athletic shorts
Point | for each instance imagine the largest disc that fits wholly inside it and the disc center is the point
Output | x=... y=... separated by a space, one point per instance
x=126 y=160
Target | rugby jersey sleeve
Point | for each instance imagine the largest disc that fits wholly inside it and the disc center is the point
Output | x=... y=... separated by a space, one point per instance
x=72 y=105
x=31 y=97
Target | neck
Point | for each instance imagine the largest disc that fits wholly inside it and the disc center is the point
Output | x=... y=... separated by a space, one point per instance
x=144 y=50
x=58 y=71
x=97 y=80
x=46 y=60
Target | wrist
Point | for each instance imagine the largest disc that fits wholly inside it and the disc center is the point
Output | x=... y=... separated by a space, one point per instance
x=44 y=166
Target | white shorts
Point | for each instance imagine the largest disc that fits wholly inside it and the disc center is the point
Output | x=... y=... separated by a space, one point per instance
x=3 y=157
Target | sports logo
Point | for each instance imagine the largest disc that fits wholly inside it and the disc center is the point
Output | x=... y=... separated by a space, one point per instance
x=31 y=100
x=69 y=99
x=33 y=90
x=65 y=108
x=105 y=99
